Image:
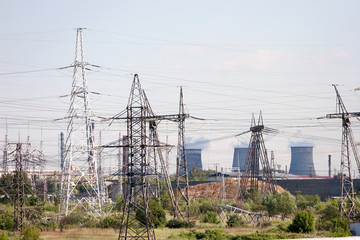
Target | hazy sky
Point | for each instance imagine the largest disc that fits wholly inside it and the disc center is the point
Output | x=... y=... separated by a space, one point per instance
x=233 y=58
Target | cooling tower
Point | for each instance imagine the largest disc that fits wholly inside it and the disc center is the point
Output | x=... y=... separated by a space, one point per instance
x=193 y=158
x=302 y=161
x=239 y=158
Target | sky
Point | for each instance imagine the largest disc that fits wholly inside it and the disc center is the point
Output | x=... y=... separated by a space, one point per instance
x=232 y=58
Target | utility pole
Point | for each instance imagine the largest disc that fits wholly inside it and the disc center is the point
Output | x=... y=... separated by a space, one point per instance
x=347 y=204
x=80 y=165
x=256 y=155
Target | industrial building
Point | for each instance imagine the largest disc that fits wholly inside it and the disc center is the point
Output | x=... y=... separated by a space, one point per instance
x=302 y=161
x=193 y=158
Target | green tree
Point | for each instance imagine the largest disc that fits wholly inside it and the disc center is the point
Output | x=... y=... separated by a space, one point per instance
x=211 y=217
x=280 y=203
x=303 y=222
x=304 y=201
x=7 y=183
x=331 y=220
x=6 y=221
x=157 y=213
x=196 y=174
x=235 y=221
x=3 y=236
x=29 y=233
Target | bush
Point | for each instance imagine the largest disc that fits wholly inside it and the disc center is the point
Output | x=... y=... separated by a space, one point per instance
x=49 y=225
x=211 y=217
x=77 y=220
x=6 y=221
x=332 y=221
x=304 y=201
x=50 y=208
x=119 y=203
x=303 y=222
x=280 y=203
x=175 y=223
x=157 y=213
x=206 y=206
x=3 y=236
x=29 y=233
x=112 y=221
x=217 y=234
x=235 y=221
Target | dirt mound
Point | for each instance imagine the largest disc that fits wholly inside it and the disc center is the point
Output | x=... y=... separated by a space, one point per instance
x=211 y=190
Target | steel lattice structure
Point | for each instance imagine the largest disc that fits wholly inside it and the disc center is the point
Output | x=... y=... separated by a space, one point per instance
x=222 y=194
x=136 y=181
x=256 y=155
x=182 y=177
x=347 y=204
x=80 y=165
x=19 y=184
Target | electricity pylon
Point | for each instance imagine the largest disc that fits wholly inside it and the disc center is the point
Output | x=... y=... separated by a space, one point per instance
x=136 y=181
x=19 y=182
x=182 y=175
x=257 y=154
x=5 y=154
x=80 y=165
x=347 y=204
x=222 y=194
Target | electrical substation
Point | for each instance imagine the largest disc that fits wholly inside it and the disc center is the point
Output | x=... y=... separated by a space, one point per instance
x=82 y=186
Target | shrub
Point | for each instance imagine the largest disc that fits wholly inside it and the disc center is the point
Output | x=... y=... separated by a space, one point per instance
x=165 y=200
x=50 y=208
x=49 y=225
x=119 y=203
x=280 y=203
x=112 y=221
x=29 y=233
x=304 y=201
x=217 y=234
x=211 y=217
x=331 y=220
x=3 y=236
x=6 y=221
x=157 y=213
x=34 y=201
x=235 y=221
x=194 y=209
x=303 y=222
x=77 y=220
x=175 y=223
x=206 y=206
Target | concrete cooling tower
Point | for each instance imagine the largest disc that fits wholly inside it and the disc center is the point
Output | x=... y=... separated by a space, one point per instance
x=193 y=158
x=240 y=158
x=302 y=161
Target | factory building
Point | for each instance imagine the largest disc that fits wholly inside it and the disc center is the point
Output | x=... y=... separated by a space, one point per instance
x=302 y=161
x=193 y=158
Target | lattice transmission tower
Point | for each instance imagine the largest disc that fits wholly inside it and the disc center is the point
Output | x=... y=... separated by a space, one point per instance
x=182 y=174
x=257 y=155
x=347 y=204
x=137 y=174
x=80 y=165
x=222 y=194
